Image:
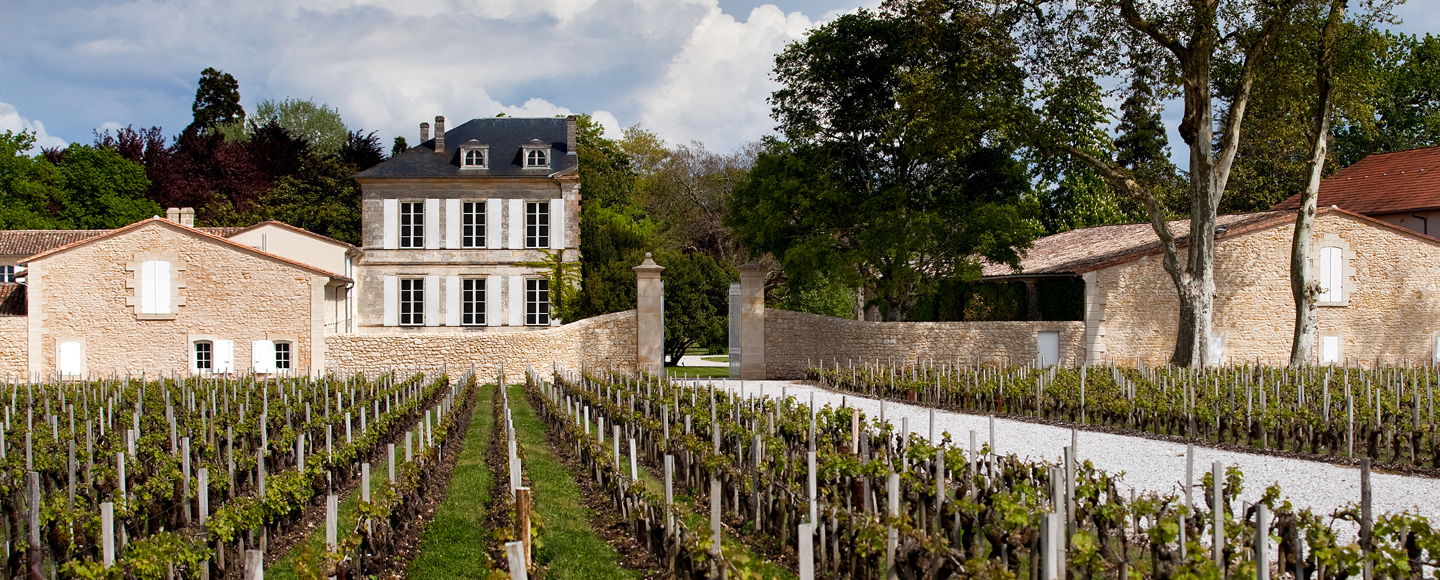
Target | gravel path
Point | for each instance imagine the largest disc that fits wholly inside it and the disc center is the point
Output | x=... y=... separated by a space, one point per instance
x=1146 y=464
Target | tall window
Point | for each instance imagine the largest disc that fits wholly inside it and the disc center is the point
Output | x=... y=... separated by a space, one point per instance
x=412 y=224
x=472 y=224
x=412 y=301
x=7 y=273
x=155 y=287
x=282 y=355
x=537 y=302
x=1332 y=275
x=535 y=158
x=204 y=355
x=537 y=224
x=472 y=301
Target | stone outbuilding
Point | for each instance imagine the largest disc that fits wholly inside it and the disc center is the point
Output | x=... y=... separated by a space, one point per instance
x=1379 y=280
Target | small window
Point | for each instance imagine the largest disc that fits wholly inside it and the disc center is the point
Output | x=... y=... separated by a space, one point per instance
x=474 y=158
x=7 y=274
x=472 y=302
x=537 y=224
x=1329 y=349
x=204 y=355
x=71 y=358
x=536 y=158
x=155 y=287
x=1217 y=349
x=537 y=302
x=472 y=224
x=282 y=355
x=412 y=224
x=412 y=301
x=1332 y=275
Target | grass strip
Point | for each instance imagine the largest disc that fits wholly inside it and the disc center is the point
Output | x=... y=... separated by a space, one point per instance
x=697 y=518
x=567 y=545
x=453 y=545
x=702 y=372
x=314 y=542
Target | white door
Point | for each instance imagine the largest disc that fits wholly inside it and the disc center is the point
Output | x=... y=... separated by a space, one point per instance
x=1049 y=348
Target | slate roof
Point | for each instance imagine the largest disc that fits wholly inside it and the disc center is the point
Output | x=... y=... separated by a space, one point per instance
x=1090 y=249
x=503 y=135
x=31 y=242
x=1383 y=183
x=12 y=300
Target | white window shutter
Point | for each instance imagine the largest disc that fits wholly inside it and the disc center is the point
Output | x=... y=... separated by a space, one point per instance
x=147 y=287
x=392 y=301
x=557 y=224
x=432 y=301
x=452 y=301
x=391 y=211
x=262 y=356
x=1337 y=275
x=452 y=224
x=432 y=224
x=1329 y=349
x=515 y=224
x=224 y=356
x=494 y=230
x=516 y=300
x=492 y=301
x=72 y=359
x=155 y=287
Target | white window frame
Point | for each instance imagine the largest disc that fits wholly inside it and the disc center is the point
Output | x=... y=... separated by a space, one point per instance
x=411 y=234
x=473 y=224
x=284 y=355
x=468 y=154
x=473 y=301
x=537 y=158
x=537 y=312
x=410 y=301
x=537 y=224
x=1330 y=348
x=205 y=364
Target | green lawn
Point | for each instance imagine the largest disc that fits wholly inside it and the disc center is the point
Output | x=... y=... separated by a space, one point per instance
x=567 y=544
x=454 y=543
x=284 y=569
x=716 y=358
x=717 y=372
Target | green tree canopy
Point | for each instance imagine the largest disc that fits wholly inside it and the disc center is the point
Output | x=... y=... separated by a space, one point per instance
x=317 y=124
x=217 y=100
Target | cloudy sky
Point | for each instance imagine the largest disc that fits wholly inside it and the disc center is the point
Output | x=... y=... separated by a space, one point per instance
x=686 y=69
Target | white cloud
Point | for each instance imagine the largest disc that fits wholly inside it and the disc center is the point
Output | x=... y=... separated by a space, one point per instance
x=10 y=120
x=716 y=88
x=609 y=123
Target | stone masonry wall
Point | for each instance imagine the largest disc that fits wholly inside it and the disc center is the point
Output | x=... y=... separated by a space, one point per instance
x=13 y=339
x=601 y=342
x=795 y=339
x=1392 y=310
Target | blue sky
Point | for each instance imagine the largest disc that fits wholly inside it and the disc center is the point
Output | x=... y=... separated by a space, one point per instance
x=686 y=69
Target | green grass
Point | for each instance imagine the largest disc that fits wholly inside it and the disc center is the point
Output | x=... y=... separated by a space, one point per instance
x=716 y=358
x=697 y=519
x=717 y=372
x=567 y=544
x=453 y=545
x=284 y=569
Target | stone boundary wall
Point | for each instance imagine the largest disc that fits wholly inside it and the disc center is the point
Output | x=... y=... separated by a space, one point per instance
x=14 y=345
x=794 y=339
x=601 y=342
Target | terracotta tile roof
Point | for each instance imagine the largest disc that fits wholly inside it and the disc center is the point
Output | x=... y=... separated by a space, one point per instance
x=1383 y=183
x=1090 y=249
x=12 y=300
x=223 y=232
x=31 y=242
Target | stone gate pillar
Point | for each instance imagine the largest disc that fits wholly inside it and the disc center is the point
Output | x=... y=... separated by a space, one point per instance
x=734 y=332
x=752 y=321
x=649 y=317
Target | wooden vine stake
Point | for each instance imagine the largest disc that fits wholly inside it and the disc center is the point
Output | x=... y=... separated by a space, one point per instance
x=522 y=520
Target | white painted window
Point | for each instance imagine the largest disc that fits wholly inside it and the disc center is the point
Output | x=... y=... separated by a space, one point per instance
x=474 y=158
x=1329 y=349
x=412 y=224
x=1332 y=275
x=224 y=356
x=204 y=355
x=1048 y=347
x=391 y=300
x=412 y=301
x=537 y=224
x=155 y=287
x=536 y=158
x=557 y=224
x=472 y=224
x=472 y=301
x=71 y=358
x=284 y=355
x=390 y=209
x=1217 y=349
x=262 y=356
x=537 y=302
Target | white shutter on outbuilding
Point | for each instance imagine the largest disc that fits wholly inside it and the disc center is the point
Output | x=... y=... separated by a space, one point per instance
x=557 y=224
x=390 y=210
x=72 y=358
x=452 y=224
x=262 y=356
x=432 y=301
x=392 y=301
x=432 y=224
x=492 y=301
x=494 y=228
x=452 y=301
x=155 y=287
x=515 y=299
x=224 y=356
x=515 y=224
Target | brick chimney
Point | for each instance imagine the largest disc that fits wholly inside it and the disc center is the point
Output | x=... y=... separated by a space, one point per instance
x=424 y=132
x=439 y=134
x=570 y=134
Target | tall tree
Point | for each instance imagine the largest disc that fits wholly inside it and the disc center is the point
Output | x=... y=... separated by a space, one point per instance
x=1404 y=100
x=317 y=124
x=1194 y=39
x=217 y=100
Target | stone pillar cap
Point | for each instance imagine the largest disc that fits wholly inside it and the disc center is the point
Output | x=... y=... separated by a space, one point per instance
x=648 y=266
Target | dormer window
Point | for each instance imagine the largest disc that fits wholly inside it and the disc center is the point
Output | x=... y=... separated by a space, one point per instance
x=535 y=158
x=474 y=155
x=536 y=153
